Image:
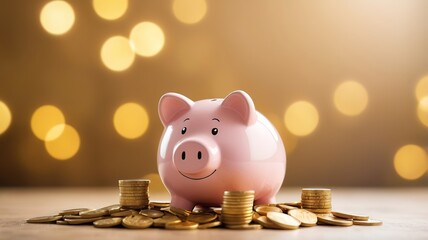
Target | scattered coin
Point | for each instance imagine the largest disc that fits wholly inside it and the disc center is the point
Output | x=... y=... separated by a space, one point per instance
x=263 y=210
x=182 y=225
x=266 y=223
x=158 y=204
x=61 y=222
x=93 y=213
x=152 y=213
x=108 y=222
x=286 y=208
x=124 y=213
x=137 y=221
x=369 y=222
x=307 y=219
x=332 y=220
x=209 y=225
x=202 y=217
x=167 y=218
x=44 y=219
x=82 y=220
x=283 y=220
x=351 y=216
x=73 y=211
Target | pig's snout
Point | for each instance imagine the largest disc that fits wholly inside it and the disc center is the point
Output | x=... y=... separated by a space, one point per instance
x=197 y=158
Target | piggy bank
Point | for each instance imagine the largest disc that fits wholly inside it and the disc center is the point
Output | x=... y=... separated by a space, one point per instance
x=216 y=145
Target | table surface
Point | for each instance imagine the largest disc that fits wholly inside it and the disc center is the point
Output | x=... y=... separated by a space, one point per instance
x=404 y=213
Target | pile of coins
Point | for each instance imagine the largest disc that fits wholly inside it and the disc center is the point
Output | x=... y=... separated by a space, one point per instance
x=237 y=208
x=134 y=193
x=316 y=200
x=237 y=212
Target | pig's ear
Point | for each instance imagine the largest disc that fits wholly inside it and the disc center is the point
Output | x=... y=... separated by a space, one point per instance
x=242 y=104
x=171 y=106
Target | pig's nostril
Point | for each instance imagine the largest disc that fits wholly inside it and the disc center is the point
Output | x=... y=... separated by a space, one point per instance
x=199 y=155
x=183 y=155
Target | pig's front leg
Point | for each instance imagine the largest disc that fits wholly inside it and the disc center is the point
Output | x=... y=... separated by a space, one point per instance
x=180 y=202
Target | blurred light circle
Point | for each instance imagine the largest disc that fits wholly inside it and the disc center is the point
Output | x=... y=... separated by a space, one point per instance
x=422 y=88
x=131 y=120
x=410 y=162
x=147 y=39
x=351 y=98
x=116 y=53
x=110 y=9
x=66 y=145
x=301 y=118
x=422 y=111
x=5 y=117
x=189 y=11
x=57 y=17
x=45 y=118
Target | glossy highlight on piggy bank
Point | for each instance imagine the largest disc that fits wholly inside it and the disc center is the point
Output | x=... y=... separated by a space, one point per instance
x=216 y=145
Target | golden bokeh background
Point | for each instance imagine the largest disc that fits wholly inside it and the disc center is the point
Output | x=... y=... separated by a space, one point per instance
x=344 y=82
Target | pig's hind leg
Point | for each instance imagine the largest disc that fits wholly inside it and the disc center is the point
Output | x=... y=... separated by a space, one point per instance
x=180 y=202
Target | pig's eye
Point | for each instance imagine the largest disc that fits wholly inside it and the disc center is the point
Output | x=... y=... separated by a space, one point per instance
x=183 y=130
x=214 y=131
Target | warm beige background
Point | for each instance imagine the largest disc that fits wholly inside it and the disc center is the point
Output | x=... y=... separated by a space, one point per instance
x=277 y=51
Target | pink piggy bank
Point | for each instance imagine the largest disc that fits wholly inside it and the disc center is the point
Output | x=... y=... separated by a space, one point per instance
x=216 y=145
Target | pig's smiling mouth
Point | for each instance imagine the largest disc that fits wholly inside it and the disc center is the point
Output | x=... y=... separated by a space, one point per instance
x=197 y=178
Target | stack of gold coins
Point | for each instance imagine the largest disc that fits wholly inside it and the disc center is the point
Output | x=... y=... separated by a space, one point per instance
x=316 y=200
x=237 y=208
x=134 y=193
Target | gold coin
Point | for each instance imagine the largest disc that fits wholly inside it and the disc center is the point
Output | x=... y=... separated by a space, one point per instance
x=137 y=221
x=217 y=210
x=180 y=211
x=73 y=211
x=332 y=220
x=153 y=204
x=286 y=208
x=369 y=222
x=61 y=222
x=306 y=218
x=209 y=225
x=202 y=217
x=255 y=216
x=182 y=225
x=319 y=210
x=167 y=218
x=115 y=209
x=351 y=216
x=283 y=220
x=93 y=213
x=245 y=227
x=266 y=223
x=72 y=216
x=109 y=207
x=124 y=213
x=44 y=219
x=108 y=222
x=240 y=193
x=152 y=213
x=293 y=204
x=316 y=190
x=134 y=181
x=318 y=197
x=263 y=210
x=232 y=197
x=82 y=220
